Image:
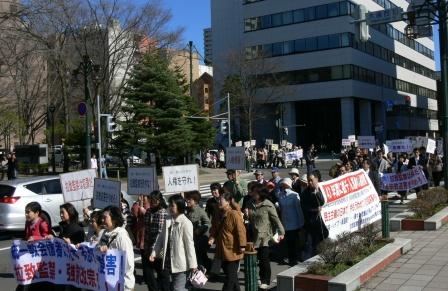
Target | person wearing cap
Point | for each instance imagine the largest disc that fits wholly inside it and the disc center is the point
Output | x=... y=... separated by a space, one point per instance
x=236 y=186
x=259 y=177
x=291 y=217
x=294 y=173
x=276 y=180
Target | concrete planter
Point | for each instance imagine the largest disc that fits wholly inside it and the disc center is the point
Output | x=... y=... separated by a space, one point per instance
x=402 y=222
x=351 y=279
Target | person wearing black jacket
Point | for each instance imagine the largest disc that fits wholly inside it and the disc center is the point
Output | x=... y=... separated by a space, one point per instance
x=373 y=175
x=312 y=201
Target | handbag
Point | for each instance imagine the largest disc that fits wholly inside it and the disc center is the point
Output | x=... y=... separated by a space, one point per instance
x=198 y=278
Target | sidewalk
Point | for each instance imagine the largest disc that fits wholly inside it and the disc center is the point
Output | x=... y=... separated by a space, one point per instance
x=425 y=267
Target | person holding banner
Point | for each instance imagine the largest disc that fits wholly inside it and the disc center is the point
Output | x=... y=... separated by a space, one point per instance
x=71 y=232
x=312 y=201
x=154 y=221
x=212 y=203
x=400 y=167
x=176 y=244
x=116 y=236
x=35 y=227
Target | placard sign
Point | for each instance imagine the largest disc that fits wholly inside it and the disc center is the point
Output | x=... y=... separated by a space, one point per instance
x=253 y=142
x=351 y=203
x=295 y=155
x=404 y=181
x=142 y=181
x=431 y=146
x=346 y=142
x=289 y=145
x=181 y=178
x=235 y=158
x=352 y=138
x=284 y=142
x=77 y=186
x=274 y=147
x=400 y=145
x=106 y=192
x=247 y=144
x=269 y=142
x=239 y=144
x=57 y=262
x=366 y=142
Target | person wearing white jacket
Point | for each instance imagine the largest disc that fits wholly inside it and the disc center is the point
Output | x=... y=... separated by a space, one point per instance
x=175 y=245
x=115 y=236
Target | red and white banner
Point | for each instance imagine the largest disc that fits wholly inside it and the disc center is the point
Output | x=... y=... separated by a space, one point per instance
x=351 y=203
x=404 y=181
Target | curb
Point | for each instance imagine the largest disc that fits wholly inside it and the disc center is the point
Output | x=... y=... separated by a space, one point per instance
x=352 y=278
x=432 y=223
x=395 y=222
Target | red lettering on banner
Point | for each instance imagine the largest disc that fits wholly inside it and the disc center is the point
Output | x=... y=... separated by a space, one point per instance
x=343 y=187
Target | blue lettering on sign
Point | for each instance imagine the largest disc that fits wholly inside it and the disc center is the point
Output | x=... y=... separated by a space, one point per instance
x=111 y=264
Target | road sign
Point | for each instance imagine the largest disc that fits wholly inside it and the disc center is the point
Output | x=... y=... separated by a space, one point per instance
x=384 y=16
x=82 y=108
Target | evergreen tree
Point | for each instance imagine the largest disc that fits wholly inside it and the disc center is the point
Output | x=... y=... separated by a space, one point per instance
x=155 y=110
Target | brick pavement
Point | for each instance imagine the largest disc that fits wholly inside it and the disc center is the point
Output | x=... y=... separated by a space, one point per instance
x=425 y=267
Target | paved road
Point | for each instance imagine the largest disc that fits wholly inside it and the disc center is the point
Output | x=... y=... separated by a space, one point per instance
x=7 y=281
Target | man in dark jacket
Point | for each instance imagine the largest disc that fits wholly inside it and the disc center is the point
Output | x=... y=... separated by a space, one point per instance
x=373 y=175
x=419 y=160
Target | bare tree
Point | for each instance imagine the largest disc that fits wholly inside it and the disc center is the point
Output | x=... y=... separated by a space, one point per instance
x=251 y=83
x=109 y=32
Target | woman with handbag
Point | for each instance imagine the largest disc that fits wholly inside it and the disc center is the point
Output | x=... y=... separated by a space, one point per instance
x=264 y=221
x=176 y=244
x=312 y=201
x=229 y=235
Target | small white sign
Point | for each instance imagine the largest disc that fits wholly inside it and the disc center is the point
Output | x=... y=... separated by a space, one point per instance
x=235 y=158
x=366 y=142
x=284 y=142
x=247 y=144
x=274 y=147
x=181 y=178
x=431 y=147
x=289 y=145
x=352 y=138
x=269 y=142
x=142 y=181
x=346 y=142
x=106 y=192
x=239 y=144
x=253 y=142
x=77 y=186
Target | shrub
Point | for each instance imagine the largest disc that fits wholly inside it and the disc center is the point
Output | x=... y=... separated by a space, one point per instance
x=434 y=196
x=369 y=234
x=421 y=208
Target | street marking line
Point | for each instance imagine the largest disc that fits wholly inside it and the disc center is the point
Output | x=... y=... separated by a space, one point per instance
x=4 y=249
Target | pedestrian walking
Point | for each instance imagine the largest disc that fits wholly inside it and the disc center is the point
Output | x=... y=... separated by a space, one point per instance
x=229 y=235
x=175 y=245
x=116 y=237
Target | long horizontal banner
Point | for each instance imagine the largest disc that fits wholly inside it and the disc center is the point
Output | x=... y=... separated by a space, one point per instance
x=57 y=262
x=404 y=181
x=295 y=155
x=351 y=203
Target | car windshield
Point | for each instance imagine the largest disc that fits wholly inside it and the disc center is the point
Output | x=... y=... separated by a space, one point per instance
x=6 y=190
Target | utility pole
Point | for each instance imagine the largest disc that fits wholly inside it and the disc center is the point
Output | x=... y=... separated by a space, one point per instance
x=442 y=12
x=86 y=63
x=190 y=46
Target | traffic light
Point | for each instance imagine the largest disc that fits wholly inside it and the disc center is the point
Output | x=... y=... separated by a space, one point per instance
x=111 y=125
x=224 y=127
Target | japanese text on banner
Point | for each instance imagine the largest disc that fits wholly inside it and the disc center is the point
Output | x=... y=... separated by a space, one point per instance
x=404 y=181
x=57 y=262
x=351 y=203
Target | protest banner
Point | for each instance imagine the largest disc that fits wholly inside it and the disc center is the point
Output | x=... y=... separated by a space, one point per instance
x=142 y=181
x=366 y=142
x=351 y=203
x=77 y=186
x=404 y=181
x=106 y=192
x=57 y=262
x=247 y=144
x=274 y=147
x=253 y=142
x=400 y=145
x=295 y=155
x=235 y=158
x=239 y=144
x=346 y=142
x=352 y=138
x=431 y=146
x=181 y=178
x=269 y=142
x=289 y=145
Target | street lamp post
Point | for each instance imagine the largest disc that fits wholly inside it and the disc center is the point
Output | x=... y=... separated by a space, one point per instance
x=52 y=109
